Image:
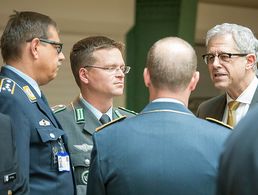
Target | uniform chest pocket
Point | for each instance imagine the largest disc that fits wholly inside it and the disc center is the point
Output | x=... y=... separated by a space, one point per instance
x=51 y=144
x=49 y=133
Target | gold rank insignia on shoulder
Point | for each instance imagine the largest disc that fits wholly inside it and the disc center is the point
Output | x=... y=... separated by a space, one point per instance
x=7 y=85
x=111 y=122
x=29 y=93
x=218 y=122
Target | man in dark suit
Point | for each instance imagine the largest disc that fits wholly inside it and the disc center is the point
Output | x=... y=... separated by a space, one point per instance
x=231 y=59
x=238 y=169
x=99 y=71
x=8 y=160
x=32 y=53
x=165 y=149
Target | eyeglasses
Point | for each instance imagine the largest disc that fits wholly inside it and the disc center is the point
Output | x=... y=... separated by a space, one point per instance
x=223 y=57
x=112 y=69
x=57 y=45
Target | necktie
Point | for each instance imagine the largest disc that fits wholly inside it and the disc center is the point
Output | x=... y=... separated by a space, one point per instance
x=232 y=106
x=104 y=119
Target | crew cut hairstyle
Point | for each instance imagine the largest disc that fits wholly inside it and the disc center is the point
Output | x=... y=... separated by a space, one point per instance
x=22 y=27
x=82 y=52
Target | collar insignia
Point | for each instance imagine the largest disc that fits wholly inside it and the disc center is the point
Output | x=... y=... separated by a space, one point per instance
x=79 y=115
x=29 y=93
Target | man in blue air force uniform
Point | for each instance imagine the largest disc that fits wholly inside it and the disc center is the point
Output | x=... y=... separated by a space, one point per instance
x=165 y=149
x=8 y=161
x=32 y=52
x=99 y=71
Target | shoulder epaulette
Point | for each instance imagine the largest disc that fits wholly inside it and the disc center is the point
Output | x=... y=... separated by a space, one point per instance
x=111 y=122
x=7 y=85
x=218 y=122
x=126 y=110
x=58 y=108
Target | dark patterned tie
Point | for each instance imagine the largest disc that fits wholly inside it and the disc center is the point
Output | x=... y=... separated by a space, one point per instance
x=104 y=119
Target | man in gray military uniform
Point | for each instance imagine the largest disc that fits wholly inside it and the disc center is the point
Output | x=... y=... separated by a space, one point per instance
x=99 y=71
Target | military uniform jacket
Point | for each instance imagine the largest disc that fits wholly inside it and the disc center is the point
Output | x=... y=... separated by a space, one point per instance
x=163 y=150
x=215 y=106
x=238 y=171
x=8 y=160
x=38 y=137
x=79 y=124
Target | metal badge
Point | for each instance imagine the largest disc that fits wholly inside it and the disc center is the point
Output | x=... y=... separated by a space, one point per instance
x=83 y=147
x=44 y=122
x=84 y=177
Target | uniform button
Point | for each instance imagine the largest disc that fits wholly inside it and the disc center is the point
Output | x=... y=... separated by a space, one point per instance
x=52 y=135
x=87 y=162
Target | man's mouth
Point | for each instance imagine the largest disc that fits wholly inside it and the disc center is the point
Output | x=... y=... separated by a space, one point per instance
x=219 y=74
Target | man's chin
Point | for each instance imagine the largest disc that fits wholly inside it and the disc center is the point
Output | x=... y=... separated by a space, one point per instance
x=118 y=93
x=220 y=86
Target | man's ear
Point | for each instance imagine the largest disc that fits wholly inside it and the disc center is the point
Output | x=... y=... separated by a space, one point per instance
x=194 y=81
x=83 y=75
x=34 y=44
x=251 y=61
x=146 y=77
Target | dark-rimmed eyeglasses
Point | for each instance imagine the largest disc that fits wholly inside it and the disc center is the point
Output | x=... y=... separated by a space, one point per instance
x=112 y=69
x=58 y=46
x=223 y=57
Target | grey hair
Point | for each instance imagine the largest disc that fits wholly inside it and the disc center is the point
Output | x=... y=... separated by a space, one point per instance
x=243 y=37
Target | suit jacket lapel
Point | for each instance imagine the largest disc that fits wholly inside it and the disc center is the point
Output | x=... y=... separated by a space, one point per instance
x=255 y=98
x=218 y=109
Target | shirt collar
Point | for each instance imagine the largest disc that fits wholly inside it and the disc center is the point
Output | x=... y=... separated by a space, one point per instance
x=168 y=100
x=94 y=110
x=247 y=95
x=29 y=80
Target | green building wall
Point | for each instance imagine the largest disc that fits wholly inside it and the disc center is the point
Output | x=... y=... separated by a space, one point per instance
x=154 y=19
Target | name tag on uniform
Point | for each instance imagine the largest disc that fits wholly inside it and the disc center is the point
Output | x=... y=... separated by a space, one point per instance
x=63 y=161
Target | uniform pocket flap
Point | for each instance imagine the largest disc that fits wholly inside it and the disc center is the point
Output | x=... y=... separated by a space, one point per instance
x=49 y=133
x=80 y=160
